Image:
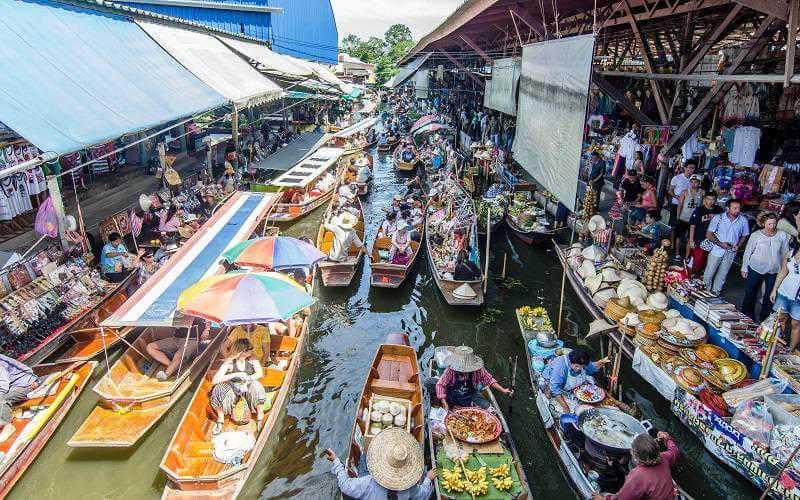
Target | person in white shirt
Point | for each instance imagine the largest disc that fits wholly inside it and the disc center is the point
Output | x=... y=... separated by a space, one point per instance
x=677 y=186
x=727 y=232
x=761 y=263
x=786 y=294
x=344 y=236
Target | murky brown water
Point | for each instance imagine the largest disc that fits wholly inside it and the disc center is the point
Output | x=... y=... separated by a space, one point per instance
x=349 y=325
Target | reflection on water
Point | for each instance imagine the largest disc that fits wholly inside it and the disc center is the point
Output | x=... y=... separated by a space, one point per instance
x=349 y=324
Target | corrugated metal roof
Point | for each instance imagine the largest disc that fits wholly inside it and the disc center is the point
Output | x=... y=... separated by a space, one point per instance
x=306 y=29
x=252 y=24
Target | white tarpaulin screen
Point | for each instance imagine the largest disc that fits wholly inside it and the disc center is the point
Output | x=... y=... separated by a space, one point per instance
x=214 y=63
x=421 y=84
x=501 y=90
x=553 y=91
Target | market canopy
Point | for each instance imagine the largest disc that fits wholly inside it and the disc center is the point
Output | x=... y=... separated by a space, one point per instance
x=154 y=303
x=214 y=63
x=73 y=77
x=361 y=126
x=310 y=168
x=270 y=62
x=288 y=156
x=407 y=71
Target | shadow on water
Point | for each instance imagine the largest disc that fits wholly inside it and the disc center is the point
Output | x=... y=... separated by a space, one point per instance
x=349 y=324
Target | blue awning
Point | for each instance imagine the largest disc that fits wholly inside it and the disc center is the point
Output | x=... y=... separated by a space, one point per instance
x=73 y=77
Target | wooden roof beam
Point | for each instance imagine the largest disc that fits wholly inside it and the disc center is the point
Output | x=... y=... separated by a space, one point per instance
x=531 y=22
x=463 y=68
x=478 y=50
x=619 y=97
x=775 y=8
x=711 y=39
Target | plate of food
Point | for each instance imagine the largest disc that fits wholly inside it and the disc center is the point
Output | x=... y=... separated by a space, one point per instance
x=589 y=393
x=473 y=425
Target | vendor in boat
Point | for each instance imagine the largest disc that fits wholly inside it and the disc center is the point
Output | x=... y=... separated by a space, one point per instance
x=388 y=226
x=363 y=174
x=652 y=476
x=147 y=267
x=464 y=269
x=396 y=465
x=348 y=192
x=407 y=155
x=565 y=373
x=179 y=349
x=257 y=335
x=16 y=381
x=115 y=259
x=463 y=380
x=401 y=251
x=654 y=230
x=238 y=376
x=344 y=236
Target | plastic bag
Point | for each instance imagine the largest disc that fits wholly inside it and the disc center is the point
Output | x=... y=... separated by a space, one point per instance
x=46 y=219
x=753 y=420
x=761 y=388
x=784 y=408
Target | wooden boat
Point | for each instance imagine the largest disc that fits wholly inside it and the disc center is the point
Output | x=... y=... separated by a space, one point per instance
x=393 y=374
x=132 y=400
x=505 y=440
x=31 y=433
x=389 y=146
x=449 y=286
x=494 y=222
x=341 y=139
x=303 y=177
x=384 y=273
x=533 y=237
x=88 y=338
x=189 y=463
x=405 y=166
x=336 y=274
x=363 y=187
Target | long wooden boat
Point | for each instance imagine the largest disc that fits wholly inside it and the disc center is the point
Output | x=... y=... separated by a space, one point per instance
x=88 y=338
x=533 y=237
x=336 y=274
x=384 y=273
x=303 y=177
x=389 y=146
x=341 y=139
x=505 y=441
x=60 y=389
x=448 y=286
x=132 y=400
x=189 y=463
x=405 y=166
x=363 y=187
x=394 y=375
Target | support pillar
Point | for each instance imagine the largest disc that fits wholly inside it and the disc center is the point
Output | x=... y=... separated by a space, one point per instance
x=58 y=206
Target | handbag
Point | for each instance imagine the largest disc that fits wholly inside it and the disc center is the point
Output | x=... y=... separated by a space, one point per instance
x=707 y=245
x=19 y=276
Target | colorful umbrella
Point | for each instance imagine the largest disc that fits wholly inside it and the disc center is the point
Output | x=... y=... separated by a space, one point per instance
x=431 y=127
x=243 y=298
x=423 y=121
x=274 y=252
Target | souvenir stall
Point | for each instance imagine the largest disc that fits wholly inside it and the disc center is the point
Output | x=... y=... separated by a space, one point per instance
x=20 y=192
x=723 y=374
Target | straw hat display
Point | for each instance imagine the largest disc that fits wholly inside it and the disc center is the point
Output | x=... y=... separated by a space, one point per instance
x=628 y=324
x=651 y=316
x=465 y=292
x=395 y=459
x=672 y=313
x=594 y=253
x=657 y=301
x=574 y=250
x=626 y=275
x=689 y=378
x=593 y=283
x=631 y=288
x=464 y=360
x=617 y=308
x=710 y=352
x=603 y=295
x=145 y=202
x=644 y=307
x=731 y=370
x=596 y=223
x=586 y=269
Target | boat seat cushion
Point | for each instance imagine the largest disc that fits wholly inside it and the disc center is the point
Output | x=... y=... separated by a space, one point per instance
x=282 y=343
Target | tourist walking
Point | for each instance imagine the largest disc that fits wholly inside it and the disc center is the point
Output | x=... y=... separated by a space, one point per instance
x=727 y=233
x=761 y=263
x=786 y=293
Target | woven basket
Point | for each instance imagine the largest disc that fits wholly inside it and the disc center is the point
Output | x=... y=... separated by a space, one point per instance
x=627 y=330
x=652 y=316
x=616 y=309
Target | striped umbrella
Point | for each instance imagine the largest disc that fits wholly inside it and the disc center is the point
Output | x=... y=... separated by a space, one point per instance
x=423 y=121
x=274 y=252
x=243 y=298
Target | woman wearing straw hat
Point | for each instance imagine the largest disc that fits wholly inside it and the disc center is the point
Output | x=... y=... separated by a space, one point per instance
x=462 y=381
x=395 y=463
x=344 y=236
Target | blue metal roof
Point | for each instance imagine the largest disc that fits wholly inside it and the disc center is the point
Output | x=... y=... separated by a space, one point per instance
x=306 y=29
x=253 y=24
x=73 y=77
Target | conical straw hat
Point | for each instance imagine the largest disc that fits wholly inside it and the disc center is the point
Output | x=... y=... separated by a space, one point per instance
x=464 y=360
x=395 y=459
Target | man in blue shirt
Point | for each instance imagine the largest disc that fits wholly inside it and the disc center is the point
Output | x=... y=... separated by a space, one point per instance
x=565 y=373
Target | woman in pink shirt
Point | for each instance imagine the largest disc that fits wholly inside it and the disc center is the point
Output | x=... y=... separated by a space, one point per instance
x=651 y=479
x=647 y=200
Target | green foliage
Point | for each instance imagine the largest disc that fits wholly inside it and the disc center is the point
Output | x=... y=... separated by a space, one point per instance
x=384 y=52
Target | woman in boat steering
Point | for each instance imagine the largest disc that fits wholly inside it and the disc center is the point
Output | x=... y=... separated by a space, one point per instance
x=567 y=372
x=462 y=381
x=238 y=376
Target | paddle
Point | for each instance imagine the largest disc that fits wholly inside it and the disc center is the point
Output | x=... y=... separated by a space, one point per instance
x=513 y=384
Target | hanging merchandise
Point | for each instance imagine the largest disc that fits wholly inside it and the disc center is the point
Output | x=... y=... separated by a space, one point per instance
x=628 y=146
x=655 y=135
x=692 y=146
x=746 y=141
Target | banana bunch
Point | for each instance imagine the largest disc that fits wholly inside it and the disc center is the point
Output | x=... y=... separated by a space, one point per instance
x=478 y=487
x=539 y=311
x=452 y=480
x=501 y=477
x=499 y=472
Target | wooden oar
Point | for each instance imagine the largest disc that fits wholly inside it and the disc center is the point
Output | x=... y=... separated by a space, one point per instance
x=513 y=384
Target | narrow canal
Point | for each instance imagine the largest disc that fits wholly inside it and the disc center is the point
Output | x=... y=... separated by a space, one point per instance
x=349 y=325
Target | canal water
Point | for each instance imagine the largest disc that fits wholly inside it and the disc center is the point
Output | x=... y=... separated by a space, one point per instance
x=349 y=324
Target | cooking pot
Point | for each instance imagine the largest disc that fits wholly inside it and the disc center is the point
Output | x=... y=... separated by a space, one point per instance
x=626 y=423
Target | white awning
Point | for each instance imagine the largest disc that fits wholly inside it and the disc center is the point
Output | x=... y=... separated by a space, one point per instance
x=501 y=89
x=215 y=64
x=408 y=71
x=270 y=62
x=310 y=168
x=364 y=124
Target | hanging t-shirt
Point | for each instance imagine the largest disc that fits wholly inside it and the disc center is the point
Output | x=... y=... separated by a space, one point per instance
x=745 y=145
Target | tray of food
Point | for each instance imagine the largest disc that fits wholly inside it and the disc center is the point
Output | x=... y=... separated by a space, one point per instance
x=473 y=425
x=589 y=393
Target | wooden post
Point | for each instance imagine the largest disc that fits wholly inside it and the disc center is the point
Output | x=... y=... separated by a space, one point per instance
x=58 y=206
x=563 y=283
x=505 y=256
x=235 y=128
x=791 y=43
x=488 y=240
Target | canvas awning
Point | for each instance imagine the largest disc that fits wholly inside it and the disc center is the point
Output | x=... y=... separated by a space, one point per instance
x=154 y=303
x=355 y=128
x=288 y=156
x=407 y=72
x=214 y=63
x=269 y=62
x=73 y=77
x=310 y=168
